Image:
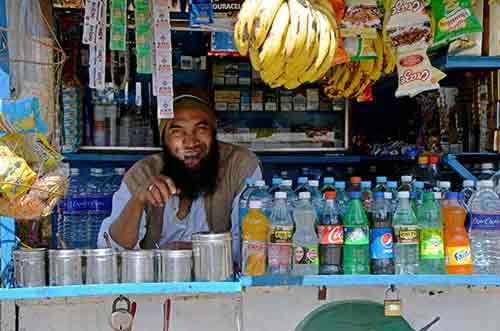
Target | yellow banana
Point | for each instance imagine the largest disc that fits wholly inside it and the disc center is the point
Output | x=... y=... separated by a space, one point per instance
x=362 y=87
x=293 y=83
x=253 y=53
x=242 y=28
x=264 y=18
x=295 y=60
x=353 y=83
x=379 y=61
x=308 y=53
x=389 y=59
x=297 y=32
x=273 y=45
x=316 y=54
x=366 y=66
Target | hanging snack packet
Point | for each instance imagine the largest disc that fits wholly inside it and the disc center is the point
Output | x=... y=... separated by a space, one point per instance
x=407 y=22
x=361 y=18
x=201 y=13
x=16 y=176
x=359 y=49
x=454 y=18
x=415 y=72
x=21 y=116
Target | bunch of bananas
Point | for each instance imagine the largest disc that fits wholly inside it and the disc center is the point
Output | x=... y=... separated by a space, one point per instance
x=349 y=80
x=290 y=42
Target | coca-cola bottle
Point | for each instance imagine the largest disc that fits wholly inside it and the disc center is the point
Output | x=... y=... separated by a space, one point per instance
x=331 y=237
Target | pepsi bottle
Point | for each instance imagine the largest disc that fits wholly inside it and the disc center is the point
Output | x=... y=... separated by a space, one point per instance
x=381 y=235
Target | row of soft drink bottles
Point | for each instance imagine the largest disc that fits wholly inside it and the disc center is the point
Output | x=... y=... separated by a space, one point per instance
x=411 y=227
x=87 y=203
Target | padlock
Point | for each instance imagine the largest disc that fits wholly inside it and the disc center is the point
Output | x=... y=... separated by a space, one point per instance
x=121 y=318
x=392 y=307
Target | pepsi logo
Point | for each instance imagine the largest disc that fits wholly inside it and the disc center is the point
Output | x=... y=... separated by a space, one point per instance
x=386 y=240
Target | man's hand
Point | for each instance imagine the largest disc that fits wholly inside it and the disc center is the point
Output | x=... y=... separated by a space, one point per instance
x=157 y=191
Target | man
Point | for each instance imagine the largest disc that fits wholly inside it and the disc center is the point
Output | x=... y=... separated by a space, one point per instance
x=193 y=186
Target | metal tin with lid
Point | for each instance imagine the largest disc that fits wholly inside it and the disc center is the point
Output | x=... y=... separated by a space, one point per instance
x=138 y=266
x=101 y=266
x=65 y=267
x=29 y=267
x=212 y=256
x=174 y=265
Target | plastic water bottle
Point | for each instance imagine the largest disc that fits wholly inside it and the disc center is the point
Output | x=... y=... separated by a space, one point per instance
x=72 y=219
x=261 y=193
x=406 y=184
x=430 y=222
x=392 y=187
x=305 y=239
x=301 y=185
x=328 y=184
x=366 y=197
x=275 y=185
x=381 y=236
x=356 y=249
x=487 y=171
x=117 y=179
x=405 y=236
x=419 y=188
x=291 y=196
x=468 y=190
x=331 y=237
x=381 y=184
x=389 y=202
x=342 y=198
x=99 y=194
x=484 y=229
x=316 y=196
x=279 y=250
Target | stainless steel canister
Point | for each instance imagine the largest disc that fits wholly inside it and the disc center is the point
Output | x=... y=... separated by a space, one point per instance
x=29 y=267
x=212 y=256
x=101 y=266
x=65 y=267
x=174 y=265
x=138 y=266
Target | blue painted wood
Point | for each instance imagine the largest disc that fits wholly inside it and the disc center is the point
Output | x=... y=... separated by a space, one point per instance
x=456 y=166
x=4 y=54
x=369 y=280
x=7 y=243
x=91 y=157
x=117 y=289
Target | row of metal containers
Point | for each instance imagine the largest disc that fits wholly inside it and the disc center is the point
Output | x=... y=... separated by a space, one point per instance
x=210 y=260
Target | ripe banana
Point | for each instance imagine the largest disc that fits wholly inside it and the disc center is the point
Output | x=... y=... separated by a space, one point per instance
x=389 y=59
x=313 y=55
x=310 y=51
x=264 y=17
x=297 y=32
x=379 y=61
x=244 y=23
x=273 y=45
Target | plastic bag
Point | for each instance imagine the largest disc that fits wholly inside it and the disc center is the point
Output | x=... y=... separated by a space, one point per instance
x=407 y=23
x=16 y=176
x=360 y=18
x=453 y=19
x=21 y=116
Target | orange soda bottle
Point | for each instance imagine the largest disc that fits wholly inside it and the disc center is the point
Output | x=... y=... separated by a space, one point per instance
x=456 y=239
x=255 y=232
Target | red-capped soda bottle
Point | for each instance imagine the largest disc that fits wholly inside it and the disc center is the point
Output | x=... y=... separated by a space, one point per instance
x=331 y=237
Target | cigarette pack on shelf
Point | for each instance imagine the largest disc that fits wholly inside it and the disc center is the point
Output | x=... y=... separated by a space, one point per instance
x=286 y=100
x=312 y=99
x=245 y=100
x=257 y=100
x=299 y=100
x=271 y=101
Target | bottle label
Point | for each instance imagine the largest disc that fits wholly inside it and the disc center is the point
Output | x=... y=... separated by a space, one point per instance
x=73 y=205
x=356 y=236
x=100 y=204
x=307 y=254
x=431 y=244
x=381 y=245
x=406 y=235
x=458 y=256
x=281 y=234
x=254 y=257
x=485 y=221
x=279 y=255
x=331 y=234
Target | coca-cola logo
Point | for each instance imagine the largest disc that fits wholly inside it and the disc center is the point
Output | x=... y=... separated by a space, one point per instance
x=410 y=76
x=411 y=60
x=406 y=6
x=331 y=234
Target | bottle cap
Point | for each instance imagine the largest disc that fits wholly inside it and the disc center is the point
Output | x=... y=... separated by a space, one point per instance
x=286 y=182
x=419 y=185
x=355 y=195
x=302 y=180
x=445 y=185
x=406 y=179
x=330 y=195
x=381 y=179
x=255 y=204
x=379 y=195
x=404 y=195
x=313 y=183
x=461 y=196
x=340 y=185
x=276 y=181
x=304 y=195
x=413 y=195
x=388 y=195
x=120 y=171
x=469 y=183
x=366 y=184
x=423 y=160
x=438 y=195
x=428 y=196
x=486 y=183
x=355 y=180
x=392 y=184
x=434 y=159
x=260 y=183
x=249 y=182
x=328 y=180
x=487 y=166
x=452 y=195
x=280 y=195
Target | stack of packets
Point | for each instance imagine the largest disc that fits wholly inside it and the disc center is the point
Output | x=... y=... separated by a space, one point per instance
x=118 y=34
x=32 y=177
x=409 y=28
x=142 y=37
x=94 y=35
x=161 y=58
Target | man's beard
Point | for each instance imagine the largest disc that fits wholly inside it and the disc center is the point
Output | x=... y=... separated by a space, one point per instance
x=193 y=182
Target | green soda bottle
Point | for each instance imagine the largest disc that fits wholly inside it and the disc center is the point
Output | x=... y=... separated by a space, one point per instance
x=356 y=249
x=430 y=223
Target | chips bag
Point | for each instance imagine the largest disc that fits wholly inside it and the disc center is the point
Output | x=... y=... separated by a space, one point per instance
x=16 y=176
x=361 y=18
x=453 y=18
x=21 y=116
x=407 y=23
